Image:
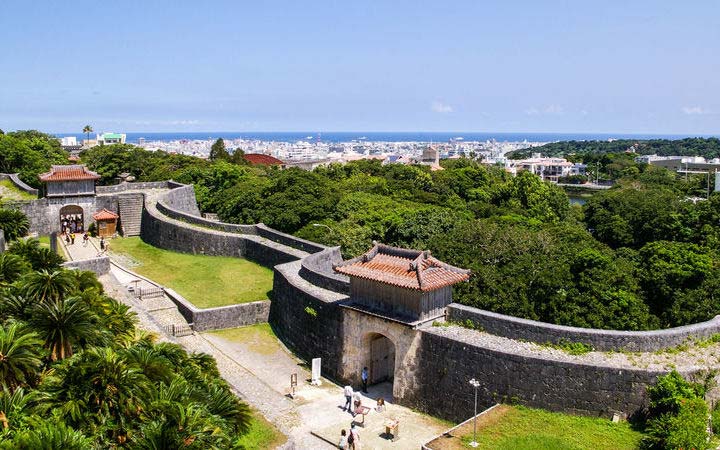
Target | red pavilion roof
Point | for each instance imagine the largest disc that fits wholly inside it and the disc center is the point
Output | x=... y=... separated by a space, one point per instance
x=411 y=269
x=259 y=158
x=105 y=214
x=72 y=172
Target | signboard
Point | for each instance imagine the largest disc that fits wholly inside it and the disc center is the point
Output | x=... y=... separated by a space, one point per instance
x=316 y=371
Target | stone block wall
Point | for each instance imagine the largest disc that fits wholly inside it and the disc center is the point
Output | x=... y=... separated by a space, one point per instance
x=182 y=199
x=223 y=317
x=307 y=318
x=317 y=269
x=20 y=184
x=195 y=220
x=288 y=239
x=100 y=265
x=122 y=187
x=603 y=340
x=442 y=388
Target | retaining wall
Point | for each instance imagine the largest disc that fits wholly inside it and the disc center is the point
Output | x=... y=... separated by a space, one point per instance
x=307 y=318
x=448 y=364
x=181 y=198
x=288 y=239
x=603 y=340
x=125 y=186
x=20 y=184
x=317 y=269
x=195 y=220
x=100 y=265
x=223 y=317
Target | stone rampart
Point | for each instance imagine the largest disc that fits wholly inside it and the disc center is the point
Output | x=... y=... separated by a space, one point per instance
x=222 y=317
x=317 y=269
x=134 y=186
x=195 y=220
x=100 y=265
x=447 y=363
x=181 y=198
x=288 y=239
x=603 y=340
x=308 y=318
x=20 y=184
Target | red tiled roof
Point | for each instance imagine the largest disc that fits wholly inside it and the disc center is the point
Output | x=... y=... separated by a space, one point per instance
x=72 y=172
x=259 y=158
x=105 y=214
x=410 y=269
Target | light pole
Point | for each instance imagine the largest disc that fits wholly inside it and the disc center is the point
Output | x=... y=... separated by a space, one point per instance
x=332 y=230
x=476 y=384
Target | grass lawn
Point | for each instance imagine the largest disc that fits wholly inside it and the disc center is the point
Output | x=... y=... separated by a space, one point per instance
x=262 y=434
x=520 y=428
x=8 y=191
x=258 y=338
x=45 y=242
x=206 y=281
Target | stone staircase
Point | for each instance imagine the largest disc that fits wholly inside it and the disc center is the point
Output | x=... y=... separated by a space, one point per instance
x=131 y=207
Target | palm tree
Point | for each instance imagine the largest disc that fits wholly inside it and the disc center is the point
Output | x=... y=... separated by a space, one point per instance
x=51 y=434
x=40 y=258
x=87 y=129
x=20 y=352
x=47 y=286
x=11 y=267
x=15 y=406
x=62 y=323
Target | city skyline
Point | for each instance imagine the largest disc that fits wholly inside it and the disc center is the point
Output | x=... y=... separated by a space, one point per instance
x=555 y=67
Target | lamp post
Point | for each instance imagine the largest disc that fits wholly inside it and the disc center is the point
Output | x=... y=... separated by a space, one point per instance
x=332 y=230
x=476 y=384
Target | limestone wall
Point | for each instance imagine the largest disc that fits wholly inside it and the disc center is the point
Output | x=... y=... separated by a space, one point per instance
x=44 y=213
x=223 y=317
x=288 y=239
x=20 y=184
x=182 y=199
x=122 y=187
x=447 y=365
x=98 y=265
x=189 y=218
x=307 y=318
x=317 y=269
x=603 y=340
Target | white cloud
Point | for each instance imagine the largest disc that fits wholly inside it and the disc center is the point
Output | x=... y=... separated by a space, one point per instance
x=549 y=110
x=694 y=110
x=440 y=107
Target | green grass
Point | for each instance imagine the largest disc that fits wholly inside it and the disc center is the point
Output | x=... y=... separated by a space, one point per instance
x=205 y=281
x=8 y=191
x=523 y=428
x=259 y=338
x=45 y=242
x=262 y=434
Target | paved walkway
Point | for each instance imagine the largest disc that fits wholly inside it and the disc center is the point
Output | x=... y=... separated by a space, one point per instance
x=312 y=419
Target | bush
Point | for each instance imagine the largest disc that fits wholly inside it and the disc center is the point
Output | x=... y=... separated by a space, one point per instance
x=677 y=417
x=14 y=223
x=92 y=229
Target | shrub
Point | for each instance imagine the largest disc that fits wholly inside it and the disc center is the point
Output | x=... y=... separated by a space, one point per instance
x=92 y=229
x=14 y=223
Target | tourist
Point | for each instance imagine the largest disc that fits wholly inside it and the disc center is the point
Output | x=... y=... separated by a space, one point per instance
x=72 y=238
x=343 y=439
x=380 y=405
x=102 y=244
x=358 y=402
x=354 y=438
x=364 y=376
x=348 y=391
x=86 y=238
x=67 y=238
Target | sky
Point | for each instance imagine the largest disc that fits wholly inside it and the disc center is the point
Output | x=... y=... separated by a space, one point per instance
x=607 y=66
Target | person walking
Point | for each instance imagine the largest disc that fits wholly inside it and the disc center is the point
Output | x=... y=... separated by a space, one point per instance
x=348 y=391
x=102 y=244
x=343 y=439
x=72 y=238
x=354 y=438
x=364 y=376
x=67 y=238
x=86 y=239
x=357 y=403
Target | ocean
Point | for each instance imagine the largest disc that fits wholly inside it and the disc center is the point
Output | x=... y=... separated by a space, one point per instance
x=347 y=136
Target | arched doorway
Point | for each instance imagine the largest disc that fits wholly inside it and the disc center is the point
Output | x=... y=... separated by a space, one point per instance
x=382 y=359
x=72 y=219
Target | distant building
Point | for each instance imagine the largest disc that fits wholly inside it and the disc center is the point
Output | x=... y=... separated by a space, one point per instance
x=682 y=164
x=256 y=159
x=549 y=169
x=430 y=156
x=110 y=138
x=68 y=141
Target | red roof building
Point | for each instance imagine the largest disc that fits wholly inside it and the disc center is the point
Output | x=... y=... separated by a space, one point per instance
x=260 y=159
x=105 y=214
x=72 y=172
x=71 y=180
x=408 y=285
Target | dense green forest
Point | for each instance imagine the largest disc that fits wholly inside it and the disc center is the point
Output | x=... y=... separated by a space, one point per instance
x=638 y=256
x=707 y=147
x=76 y=373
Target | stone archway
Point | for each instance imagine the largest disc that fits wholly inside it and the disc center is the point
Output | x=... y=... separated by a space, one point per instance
x=72 y=218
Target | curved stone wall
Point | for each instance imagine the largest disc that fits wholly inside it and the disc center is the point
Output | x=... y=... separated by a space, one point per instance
x=189 y=218
x=317 y=269
x=181 y=198
x=20 y=184
x=603 y=340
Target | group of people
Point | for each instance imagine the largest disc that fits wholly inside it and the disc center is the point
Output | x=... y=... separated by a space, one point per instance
x=70 y=236
x=350 y=439
x=71 y=223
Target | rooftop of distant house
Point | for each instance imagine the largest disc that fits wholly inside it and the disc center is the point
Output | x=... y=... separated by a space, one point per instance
x=71 y=172
x=411 y=269
x=259 y=158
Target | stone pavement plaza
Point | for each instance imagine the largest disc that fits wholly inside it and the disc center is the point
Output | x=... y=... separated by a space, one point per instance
x=260 y=375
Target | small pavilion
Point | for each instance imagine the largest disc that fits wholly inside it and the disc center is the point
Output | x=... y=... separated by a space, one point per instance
x=72 y=180
x=106 y=222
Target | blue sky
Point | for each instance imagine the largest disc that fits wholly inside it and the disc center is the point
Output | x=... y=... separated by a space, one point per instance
x=483 y=65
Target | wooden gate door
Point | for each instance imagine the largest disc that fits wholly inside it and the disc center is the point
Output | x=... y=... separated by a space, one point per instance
x=379 y=354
